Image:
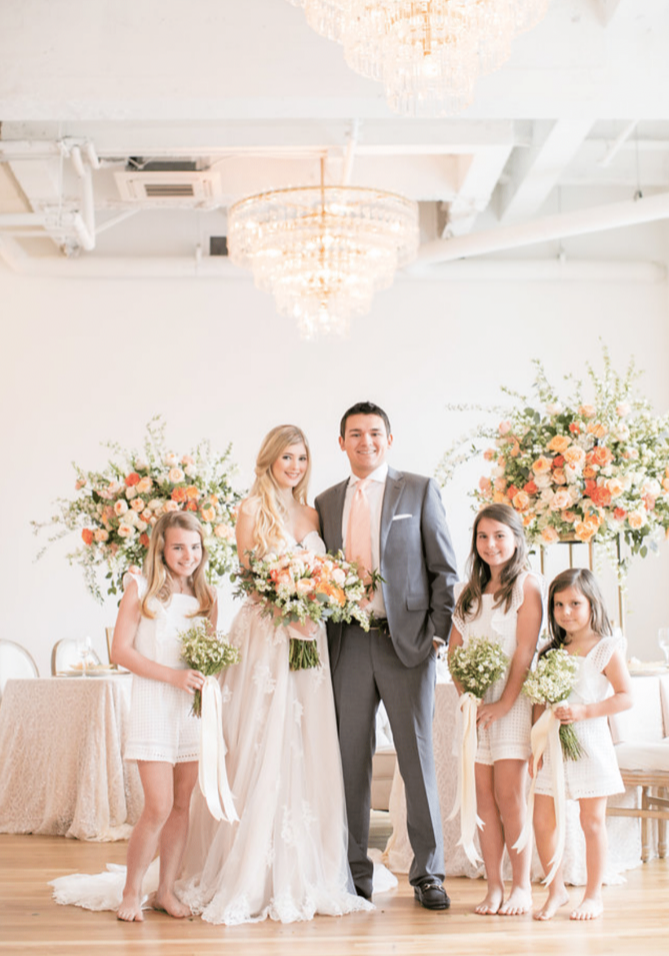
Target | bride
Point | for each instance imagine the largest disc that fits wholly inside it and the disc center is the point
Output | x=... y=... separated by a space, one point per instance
x=286 y=858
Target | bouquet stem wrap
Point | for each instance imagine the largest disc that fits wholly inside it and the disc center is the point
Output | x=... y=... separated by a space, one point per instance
x=212 y=774
x=546 y=736
x=465 y=800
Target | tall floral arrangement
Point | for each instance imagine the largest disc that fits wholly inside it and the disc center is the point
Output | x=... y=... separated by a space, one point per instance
x=590 y=468
x=115 y=509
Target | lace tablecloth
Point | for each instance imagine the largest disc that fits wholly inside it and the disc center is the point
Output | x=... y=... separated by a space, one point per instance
x=624 y=832
x=61 y=745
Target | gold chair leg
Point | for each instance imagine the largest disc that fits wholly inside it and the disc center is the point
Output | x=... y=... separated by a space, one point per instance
x=645 y=827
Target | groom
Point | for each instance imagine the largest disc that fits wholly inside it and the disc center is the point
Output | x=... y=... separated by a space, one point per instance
x=393 y=522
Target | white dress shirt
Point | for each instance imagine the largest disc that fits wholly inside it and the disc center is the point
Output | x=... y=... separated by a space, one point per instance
x=374 y=491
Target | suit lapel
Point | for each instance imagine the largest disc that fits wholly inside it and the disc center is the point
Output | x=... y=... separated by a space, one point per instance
x=337 y=511
x=391 y=497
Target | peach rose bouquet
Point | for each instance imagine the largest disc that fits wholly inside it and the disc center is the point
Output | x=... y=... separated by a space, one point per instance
x=115 y=509
x=594 y=470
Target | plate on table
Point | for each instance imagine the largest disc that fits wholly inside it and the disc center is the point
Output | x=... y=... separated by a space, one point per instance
x=93 y=670
x=639 y=668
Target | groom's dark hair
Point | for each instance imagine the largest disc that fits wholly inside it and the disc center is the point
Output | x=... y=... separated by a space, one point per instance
x=364 y=408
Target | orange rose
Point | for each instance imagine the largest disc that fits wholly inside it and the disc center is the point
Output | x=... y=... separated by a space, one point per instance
x=193 y=492
x=558 y=461
x=512 y=491
x=144 y=540
x=530 y=488
x=528 y=518
x=87 y=536
x=178 y=495
x=485 y=486
x=489 y=454
x=79 y=484
x=619 y=514
x=601 y=496
x=500 y=499
x=648 y=502
x=514 y=451
x=574 y=429
x=541 y=466
x=589 y=472
x=132 y=479
x=584 y=531
x=191 y=506
x=208 y=513
x=559 y=443
x=665 y=484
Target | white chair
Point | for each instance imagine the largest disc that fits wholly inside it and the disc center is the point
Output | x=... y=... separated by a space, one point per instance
x=15 y=663
x=641 y=736
x=66 y=656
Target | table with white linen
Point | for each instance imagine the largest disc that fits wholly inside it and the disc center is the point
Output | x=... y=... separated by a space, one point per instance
x=624 y=832
x=61 y=753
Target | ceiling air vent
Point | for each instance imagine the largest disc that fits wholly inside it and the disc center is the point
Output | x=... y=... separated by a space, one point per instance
x=174 y=188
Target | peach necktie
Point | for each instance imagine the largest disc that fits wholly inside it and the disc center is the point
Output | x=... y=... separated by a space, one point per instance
x=359 y=530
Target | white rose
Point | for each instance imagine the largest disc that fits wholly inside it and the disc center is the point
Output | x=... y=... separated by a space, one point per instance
x=171 y=460
x=125 y=531
x=561 y=499
x=547 y=496
x=542 y=481
x=137 y=505
x=120 y=507
x=130 y=493
x=155 y=504
x=141 y=465
x=339 y=577
x=141 y=526
x=191 y=470
x=554 y=408
x=304 y=586
x=651 y=487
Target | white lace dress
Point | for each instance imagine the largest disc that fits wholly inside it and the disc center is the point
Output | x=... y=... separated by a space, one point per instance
x=509 y=737
x=286 y=858
x=596 y=773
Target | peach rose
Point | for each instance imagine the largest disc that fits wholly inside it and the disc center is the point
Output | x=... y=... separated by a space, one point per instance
x=120 y=507
x=553 y=408
x=187 y=460
x=521 y=501
x=636 y=519
x=125 y=531
x=175 y=475
x=549 y=536
x=589 y=472
x=171 y=506
x=615 y=486
x=146 y=515
x=499 y=484
x=504 y=427
x=193 y=492
x=631 y=454
x=601 y=455
x=559 y=477
x=145 y=485
x=101 y=535
x=648 y=502
x=208 y=513
x=87 y=536
x=623 y=409
x=541 y=465
x=514 y=451
x=569 y=516
x=226 y=532
x=665 y=484
x=79 y=484
x=574 y=456
x=598 y=429
x=512 y=491
x=587 y=411
x=528 y=518
x=559 y=443
x=489 y=454
x=584 y=530
x=500 y=499
x=137 y=505
x=485 y=485
x=178 y=494
x=619 y=513
x=561 y=499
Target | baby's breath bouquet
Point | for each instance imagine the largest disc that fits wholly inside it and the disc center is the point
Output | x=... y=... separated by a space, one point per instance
x=551 y=682
x=207 y=651
x=477 y=664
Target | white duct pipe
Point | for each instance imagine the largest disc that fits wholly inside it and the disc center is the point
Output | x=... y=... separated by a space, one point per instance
x=222 y=268
x=582 y=222
x=617 y=144
x=91 y=155
x=349 y=155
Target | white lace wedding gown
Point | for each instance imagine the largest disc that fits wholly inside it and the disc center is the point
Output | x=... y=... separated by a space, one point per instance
x=286 y=858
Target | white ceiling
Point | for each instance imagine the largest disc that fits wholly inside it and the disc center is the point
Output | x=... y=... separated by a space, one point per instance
x=246 y=91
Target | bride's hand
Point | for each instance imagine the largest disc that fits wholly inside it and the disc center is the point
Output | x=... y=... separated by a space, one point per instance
x=308 y=631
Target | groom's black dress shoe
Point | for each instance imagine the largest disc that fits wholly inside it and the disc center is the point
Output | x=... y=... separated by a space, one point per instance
x=365 y=895
x=431 y=894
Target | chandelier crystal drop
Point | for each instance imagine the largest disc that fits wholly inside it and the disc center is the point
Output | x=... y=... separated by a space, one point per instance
x=323 y=251
x=427 y=53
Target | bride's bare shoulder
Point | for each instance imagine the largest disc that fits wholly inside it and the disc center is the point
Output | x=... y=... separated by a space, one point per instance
x=311 y=517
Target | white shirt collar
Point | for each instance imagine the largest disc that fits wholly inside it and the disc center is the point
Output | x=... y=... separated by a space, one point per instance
x=379 y=474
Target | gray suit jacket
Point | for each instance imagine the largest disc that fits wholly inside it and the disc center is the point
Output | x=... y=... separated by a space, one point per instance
x=417 y=562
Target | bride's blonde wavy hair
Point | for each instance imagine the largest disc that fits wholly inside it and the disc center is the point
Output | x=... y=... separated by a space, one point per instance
x=270 y=517
x=157 y=573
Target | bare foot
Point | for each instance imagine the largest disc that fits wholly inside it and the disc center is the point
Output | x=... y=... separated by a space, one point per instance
x=589 y=909
x=552 y=905
x=168 y=903
x=491 y=904
x=519 y=902
x=130 y=910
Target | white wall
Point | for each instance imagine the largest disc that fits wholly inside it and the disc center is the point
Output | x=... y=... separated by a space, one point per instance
x=84 y=361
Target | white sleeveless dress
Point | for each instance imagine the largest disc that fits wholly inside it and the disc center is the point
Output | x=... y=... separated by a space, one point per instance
x=509 y=737
x=161 y=724
x=286 y=858
x=595 y=773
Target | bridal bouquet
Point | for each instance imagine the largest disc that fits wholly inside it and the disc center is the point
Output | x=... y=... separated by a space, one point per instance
x=207 y=651
x=114 y=509
x=301 y=586
x=551 y=682
x=477 y=664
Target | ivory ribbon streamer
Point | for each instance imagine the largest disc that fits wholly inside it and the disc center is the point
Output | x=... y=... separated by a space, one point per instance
x=465 y=799
x=546 y=736
x=211 y=772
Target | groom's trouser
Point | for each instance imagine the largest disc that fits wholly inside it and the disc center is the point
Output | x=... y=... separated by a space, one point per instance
x=368 y=670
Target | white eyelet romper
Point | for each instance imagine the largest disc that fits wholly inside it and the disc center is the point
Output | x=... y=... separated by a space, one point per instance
x=161 y=725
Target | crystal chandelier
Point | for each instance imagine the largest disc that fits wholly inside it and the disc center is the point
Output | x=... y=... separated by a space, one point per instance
x=323 y=251
x=427 y=53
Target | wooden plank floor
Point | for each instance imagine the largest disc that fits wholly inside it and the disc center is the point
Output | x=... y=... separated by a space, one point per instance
x=636 y=920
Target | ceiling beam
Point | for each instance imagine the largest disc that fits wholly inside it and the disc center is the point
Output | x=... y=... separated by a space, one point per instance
x=534 y=172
